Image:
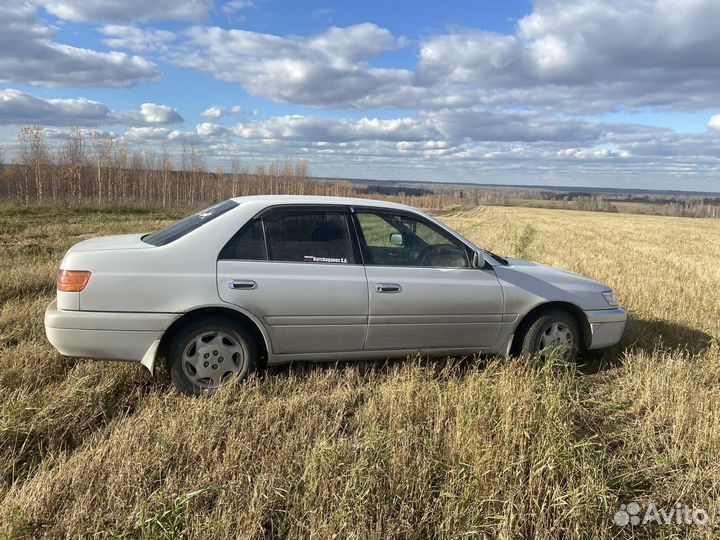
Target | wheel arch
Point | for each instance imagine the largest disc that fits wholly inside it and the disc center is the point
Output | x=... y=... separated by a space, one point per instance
x=527 y=319
x=246 y=320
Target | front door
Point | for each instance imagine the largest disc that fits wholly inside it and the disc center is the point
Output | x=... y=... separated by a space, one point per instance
x=296 y=270
x=423 y=292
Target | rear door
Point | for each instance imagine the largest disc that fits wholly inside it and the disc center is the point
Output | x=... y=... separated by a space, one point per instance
x=296 y=268
x=423 y=292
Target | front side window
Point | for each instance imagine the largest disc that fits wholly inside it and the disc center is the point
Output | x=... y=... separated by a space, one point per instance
x=401 y=240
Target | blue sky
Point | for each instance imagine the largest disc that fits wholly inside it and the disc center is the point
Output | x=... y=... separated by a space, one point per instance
x=571 y=92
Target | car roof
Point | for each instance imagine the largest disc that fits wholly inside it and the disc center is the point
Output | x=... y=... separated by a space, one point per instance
x=270 y=200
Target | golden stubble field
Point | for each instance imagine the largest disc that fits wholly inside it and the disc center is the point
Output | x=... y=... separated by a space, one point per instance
x=490 y=448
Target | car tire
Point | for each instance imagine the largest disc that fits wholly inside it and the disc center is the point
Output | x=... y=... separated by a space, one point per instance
x=550 y=330
x=207 y=354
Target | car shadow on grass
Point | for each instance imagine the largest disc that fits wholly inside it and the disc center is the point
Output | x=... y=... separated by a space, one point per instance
x=647 y=336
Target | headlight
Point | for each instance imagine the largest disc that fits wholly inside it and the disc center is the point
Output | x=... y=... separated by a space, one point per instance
x=609 y=297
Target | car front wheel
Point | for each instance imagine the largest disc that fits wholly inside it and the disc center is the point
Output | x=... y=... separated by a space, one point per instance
x=555 y=332
x=208 y=354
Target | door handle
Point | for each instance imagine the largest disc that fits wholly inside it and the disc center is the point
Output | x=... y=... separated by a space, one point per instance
x=388 y=287
x=242 y=284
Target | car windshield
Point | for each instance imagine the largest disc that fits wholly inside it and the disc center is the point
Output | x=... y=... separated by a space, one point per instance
x=188 y=224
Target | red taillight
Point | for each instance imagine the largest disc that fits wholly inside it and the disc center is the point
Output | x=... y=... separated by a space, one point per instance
x=72 y=280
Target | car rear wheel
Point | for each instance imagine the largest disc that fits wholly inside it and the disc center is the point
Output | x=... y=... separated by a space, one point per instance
x=552 y=332
x=208 y=354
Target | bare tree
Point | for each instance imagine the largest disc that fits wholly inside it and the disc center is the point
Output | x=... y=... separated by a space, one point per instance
x=35 y=160
x=166 y=170
x=102 y=149
x=235 y=168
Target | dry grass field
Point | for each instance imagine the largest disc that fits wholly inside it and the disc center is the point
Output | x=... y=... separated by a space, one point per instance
x=489 y=448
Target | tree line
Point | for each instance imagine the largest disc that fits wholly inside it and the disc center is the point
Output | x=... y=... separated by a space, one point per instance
x=103 y=171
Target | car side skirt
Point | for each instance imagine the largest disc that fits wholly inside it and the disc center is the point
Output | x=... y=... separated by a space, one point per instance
x=276 y=359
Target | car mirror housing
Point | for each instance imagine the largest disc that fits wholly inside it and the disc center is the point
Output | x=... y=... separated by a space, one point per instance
x=396 y=239
x=478 y=261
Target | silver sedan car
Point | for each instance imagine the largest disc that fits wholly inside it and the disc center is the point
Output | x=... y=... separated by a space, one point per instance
x=275 y=279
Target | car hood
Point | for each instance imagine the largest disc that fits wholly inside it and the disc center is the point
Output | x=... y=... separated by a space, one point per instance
x=124 y=241
x=545 y=283
x=554 y=275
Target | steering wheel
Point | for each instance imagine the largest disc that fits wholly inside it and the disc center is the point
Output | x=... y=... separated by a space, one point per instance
x=443 y=255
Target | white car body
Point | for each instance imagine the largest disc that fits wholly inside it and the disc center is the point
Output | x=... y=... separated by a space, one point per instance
x=316 y=310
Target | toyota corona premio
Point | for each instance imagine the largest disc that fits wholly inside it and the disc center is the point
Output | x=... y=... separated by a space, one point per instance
x=274 y=279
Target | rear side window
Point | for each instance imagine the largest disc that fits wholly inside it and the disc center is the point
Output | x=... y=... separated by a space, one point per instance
x=309 y=236
x=190 y=223
x=247 y=245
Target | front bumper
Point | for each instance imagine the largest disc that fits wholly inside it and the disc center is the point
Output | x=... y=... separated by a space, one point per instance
x=606 y=327
x=105 y=335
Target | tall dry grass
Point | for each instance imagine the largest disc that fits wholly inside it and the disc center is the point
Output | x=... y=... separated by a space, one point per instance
x=489 y=448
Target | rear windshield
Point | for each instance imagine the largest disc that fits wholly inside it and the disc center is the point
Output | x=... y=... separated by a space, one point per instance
x=188 y=224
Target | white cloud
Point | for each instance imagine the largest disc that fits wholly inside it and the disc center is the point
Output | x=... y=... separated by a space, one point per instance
x=159 y=114
x=207 y=129
x=583 y=153
x=213 y=112
x=586 y=55
x=29 y=56
x=187 y=137
x=124 y=11
x=64 y=134
x=714 y=123
x=136 y=39
x=20 y=108
x=313 y=129
x=329 y=69
x=505 y=125
x=458 y=125
x=146 y=133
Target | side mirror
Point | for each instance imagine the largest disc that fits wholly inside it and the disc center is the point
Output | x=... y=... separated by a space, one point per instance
x=478 y=261
x=396 y=239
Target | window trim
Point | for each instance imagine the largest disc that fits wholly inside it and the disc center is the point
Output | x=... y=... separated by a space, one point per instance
x=354 y=210
x=269 y=210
